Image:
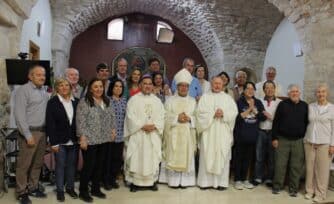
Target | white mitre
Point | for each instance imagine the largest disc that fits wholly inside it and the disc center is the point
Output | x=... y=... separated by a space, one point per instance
x=183 y=76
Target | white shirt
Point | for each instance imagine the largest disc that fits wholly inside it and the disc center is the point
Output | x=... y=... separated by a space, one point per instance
x=270 y=108
x=316 y=130
x=69 y=112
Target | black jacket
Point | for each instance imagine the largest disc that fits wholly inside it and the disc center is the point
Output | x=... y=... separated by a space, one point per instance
x=246 y=130
x=58 y=128
x=290 y=120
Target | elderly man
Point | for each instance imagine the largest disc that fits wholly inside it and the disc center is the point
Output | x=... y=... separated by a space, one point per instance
x=121 y=73
x=240 y=80
x=178 y=168
x=143 y=127
x=270 y=76
x=289 y=127
x=30 y=107
x=195 y=89
x=216 y=116
x=72 y=75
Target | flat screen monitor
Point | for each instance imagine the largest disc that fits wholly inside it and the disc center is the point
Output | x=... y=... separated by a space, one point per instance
x=17 y=70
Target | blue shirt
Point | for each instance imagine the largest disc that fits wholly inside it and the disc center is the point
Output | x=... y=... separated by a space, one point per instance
x=119 y=107
x=195 y=88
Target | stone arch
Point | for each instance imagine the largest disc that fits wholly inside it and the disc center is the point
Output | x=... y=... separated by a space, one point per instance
x=183 y=18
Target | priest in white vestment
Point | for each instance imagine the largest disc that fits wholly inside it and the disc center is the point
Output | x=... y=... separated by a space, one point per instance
x=179 y=139
x=143 y=128
x=216 y=114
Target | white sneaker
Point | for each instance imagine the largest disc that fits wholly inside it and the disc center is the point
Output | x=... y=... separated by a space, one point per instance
x=308 y=196
x=317 y=199
x=238 y=185
x=248 y=185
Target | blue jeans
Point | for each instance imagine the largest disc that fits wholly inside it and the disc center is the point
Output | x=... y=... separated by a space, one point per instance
x=66 y=161
x=264 y=157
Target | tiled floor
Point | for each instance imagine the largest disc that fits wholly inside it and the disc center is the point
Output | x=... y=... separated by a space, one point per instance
x=192 y=195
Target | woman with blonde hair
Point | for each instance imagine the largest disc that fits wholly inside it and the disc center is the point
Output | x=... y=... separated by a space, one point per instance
x=319 y=145
x=61 y=130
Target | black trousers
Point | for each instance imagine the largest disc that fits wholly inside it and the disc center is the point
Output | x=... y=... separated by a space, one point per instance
x=243 y=156
x=93 y=165
x=114 y=162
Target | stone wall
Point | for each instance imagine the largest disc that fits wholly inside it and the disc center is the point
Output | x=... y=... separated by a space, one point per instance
x=228 y=33
x=314 y=21
x=12 y=15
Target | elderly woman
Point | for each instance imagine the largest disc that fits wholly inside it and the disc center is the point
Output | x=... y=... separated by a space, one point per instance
x=61 y=130
x=200 y=74
x=251 y=112
x=96 y=129
x=319 y=145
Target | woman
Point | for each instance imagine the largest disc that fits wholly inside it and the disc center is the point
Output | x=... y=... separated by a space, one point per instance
x=160 y=89
x=200 y=74
x=61 y=130
x=319 y=145
x=226 y=80
x=133 y=81
x=95 y=127
x=114 y=160
x=251 y=112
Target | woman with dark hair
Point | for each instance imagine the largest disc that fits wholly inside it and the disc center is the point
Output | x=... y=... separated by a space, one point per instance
x=251 y=112
x=226 y=80
x=114 y=159
x=133 y=81
x=95 y=127
x=61 y=130
x=201 y=74
x=160 y=89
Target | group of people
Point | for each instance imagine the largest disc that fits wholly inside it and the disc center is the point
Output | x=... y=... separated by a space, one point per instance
x=134 y=125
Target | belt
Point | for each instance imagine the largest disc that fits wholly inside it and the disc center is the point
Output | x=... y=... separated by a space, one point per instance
x=38 y=128
x=266 y=131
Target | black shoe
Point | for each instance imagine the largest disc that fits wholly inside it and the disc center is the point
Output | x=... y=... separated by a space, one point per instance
x=154 y=187
x=72 y=193
x=24 y=199
x=183 y=187
x=293 y=193
x=269 y=185
x=221 y=188
x=256 y=183
x=133 y=188
x=98 y=194
x=37 y=193
x=275 y=191
x=115 y=185
x=60 y=196
x=107 y=187
x=86 y=197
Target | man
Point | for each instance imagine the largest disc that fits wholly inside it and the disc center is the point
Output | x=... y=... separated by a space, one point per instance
x=289 y=128
x=143 y=127
x=121 y=73
x=72 y=75
x=154 y=67
x=178 y=168
x=240 y=80
x=30 y=108
x=264 y=149
x=270 y=76
x=216 y=114
x=195 y=89
x=103 y=73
